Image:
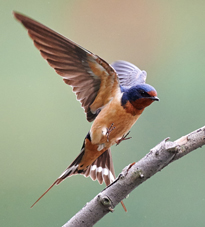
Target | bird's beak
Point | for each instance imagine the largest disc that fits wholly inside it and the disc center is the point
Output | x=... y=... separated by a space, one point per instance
x=154 y=98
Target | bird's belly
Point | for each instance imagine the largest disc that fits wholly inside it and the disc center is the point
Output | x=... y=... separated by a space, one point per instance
x=115 y=116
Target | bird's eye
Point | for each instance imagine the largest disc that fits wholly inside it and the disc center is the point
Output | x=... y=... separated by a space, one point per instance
x=144 y=94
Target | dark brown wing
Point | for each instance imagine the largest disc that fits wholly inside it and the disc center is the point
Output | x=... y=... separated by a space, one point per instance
x=94 y=81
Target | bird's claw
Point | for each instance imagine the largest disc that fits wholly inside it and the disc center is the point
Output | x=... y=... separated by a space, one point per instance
x=109 y=130
x=123 y=138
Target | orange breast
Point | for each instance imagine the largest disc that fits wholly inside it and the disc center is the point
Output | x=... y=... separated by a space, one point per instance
x=114 y=114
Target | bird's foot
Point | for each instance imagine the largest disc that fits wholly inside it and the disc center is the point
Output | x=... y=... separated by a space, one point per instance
x=109 y=130
x=123 y=138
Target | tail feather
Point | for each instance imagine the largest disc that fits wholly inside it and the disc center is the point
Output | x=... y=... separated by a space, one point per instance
x=56 y=182
x=72 y=168
x=101 y=169
x=68 y=172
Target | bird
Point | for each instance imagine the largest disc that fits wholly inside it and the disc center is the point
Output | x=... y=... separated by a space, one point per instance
x=113 y=97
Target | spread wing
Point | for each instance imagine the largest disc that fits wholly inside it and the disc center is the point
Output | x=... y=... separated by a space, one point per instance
x=94 y=81
x=129 y=74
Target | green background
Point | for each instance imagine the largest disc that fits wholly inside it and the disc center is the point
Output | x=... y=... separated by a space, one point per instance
x=42 y=126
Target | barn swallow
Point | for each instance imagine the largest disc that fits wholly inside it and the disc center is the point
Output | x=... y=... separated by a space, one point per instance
x=113 y=97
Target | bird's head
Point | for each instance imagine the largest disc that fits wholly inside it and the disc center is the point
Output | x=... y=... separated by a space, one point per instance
x=139 y=96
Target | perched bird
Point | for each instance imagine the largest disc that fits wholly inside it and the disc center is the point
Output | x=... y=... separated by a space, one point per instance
x=113 y=97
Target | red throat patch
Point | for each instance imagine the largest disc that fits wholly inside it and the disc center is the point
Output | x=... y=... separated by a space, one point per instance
x=130 y=108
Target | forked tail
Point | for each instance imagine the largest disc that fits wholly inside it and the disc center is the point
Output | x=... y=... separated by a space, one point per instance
x=45 y=192
x=101 y=169
x=72 y=169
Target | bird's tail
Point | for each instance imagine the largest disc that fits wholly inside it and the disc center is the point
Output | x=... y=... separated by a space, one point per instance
x=101 y=169
x=45 y=192
x=72 y=169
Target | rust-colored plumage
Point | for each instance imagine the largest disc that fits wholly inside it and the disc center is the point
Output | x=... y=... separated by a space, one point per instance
x=113 y=97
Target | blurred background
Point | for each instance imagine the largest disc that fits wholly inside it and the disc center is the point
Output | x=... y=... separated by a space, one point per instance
x=42 y=126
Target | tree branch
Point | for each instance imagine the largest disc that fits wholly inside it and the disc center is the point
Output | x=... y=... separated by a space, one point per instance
x=134 y=174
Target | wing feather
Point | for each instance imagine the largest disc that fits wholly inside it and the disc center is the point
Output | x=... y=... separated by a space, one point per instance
x=129 y=74
x=94 y=81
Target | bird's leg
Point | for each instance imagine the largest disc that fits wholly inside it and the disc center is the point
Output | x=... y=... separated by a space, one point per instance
x=109 y=130
x=123 y=138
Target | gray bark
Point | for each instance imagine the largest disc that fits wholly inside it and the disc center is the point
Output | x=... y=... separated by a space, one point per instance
x=134 y=174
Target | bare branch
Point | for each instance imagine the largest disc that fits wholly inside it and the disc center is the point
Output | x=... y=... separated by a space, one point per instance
x=135 y=174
